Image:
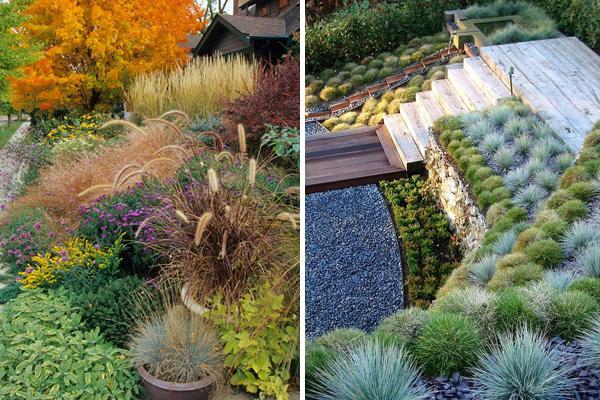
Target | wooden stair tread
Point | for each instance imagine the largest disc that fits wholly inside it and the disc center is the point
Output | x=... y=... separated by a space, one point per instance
x=418 y=128
x=405 y=145
x=482 y=76
x=389 y=147
x=448 y=98
x=471 y=94
x=429 y=108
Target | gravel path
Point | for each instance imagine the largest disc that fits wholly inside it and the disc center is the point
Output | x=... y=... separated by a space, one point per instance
x=10 y=166
x=313 y=128
x=11 y=169
x=353 y=267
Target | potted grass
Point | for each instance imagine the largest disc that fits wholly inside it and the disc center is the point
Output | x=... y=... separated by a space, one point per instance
x=222 y=231
x=177 y=355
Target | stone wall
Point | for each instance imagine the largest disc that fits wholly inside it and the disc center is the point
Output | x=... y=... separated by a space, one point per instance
x=454 y=197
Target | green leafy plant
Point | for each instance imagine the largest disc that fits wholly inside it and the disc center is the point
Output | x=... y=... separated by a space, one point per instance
x=284 y=141
x=177 y=346
x=46 y=352
x=448 y=343
x=522 y=366
x=371 y=370
x=259 y=340
x=430 y=245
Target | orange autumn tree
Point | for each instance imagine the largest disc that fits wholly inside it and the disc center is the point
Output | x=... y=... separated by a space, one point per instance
x=91 y=48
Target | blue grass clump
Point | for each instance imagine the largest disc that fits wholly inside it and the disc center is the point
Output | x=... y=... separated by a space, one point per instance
x=530 y=197
x=491 y=143
x=499 y=115
x=517 y=178
x=504 y=244
x=580 y=235
x=589 y=260
x=517 y=126
x=479 y=131
x=590 y=345
x=505 y=158
x=546 y=179
x=523 y=144
x=372 y=370
x=523 y=366
x=559 y=280
x=483 y=270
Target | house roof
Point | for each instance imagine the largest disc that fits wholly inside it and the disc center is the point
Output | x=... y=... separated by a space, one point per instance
x=191 y=42
x=247 y=28
x=257 y=27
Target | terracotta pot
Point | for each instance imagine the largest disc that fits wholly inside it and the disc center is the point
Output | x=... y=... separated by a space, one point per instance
x=162 y=390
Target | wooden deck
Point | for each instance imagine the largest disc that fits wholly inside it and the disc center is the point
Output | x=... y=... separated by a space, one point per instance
x=350 y=158
x=557 y=78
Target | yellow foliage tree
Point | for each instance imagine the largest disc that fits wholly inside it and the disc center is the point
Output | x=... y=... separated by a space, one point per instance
x=92 y=48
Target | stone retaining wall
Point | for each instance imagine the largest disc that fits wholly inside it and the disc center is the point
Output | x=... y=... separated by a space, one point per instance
x=454 y=197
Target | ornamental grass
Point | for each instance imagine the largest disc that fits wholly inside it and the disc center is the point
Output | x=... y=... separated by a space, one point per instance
x=198 y=88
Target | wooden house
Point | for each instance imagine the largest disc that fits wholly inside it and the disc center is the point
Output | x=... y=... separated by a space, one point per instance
x=258 y=28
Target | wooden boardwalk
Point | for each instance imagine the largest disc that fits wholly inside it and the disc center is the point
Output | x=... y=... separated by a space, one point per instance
x=558 y=78
x=351 y=158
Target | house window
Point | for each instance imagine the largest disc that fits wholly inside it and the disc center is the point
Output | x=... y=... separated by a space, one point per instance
x=264 y=10
x=283 y=4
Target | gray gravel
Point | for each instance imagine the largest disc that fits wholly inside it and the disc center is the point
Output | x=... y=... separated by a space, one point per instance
x=353 y=267
x=313 y=128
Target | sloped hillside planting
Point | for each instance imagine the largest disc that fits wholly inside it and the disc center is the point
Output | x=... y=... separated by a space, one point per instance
x=533 y=286
x=332 y=83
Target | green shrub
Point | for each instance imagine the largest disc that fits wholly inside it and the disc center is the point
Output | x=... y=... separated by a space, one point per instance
x=333 y=82
x=317 y=357
x=546 y=253
x=340 y=127
x=311 y=101
x=581 y=190
x=523 y=366
x=512 y=260
x=448 y=343
x=48 y=353
x=572 y=313
x=105 y=303
x=374 y=370
x=572 y=175
x=587 y=285
x=371 y=75
x=554 y=229
x=326 y=74
x=529 y=236
x=511 y=312
x=359 y=70
x=572 y=210
x=357 y=80
x=526 y=273
x=405 y=325
x=416 y=80
x=559 y=198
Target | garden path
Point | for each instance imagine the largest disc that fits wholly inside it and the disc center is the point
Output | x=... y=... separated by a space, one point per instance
x=11 y=168
x=353 y=263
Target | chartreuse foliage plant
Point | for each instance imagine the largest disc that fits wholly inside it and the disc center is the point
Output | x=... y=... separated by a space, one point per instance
x=46 y=270
x=371 y=370
x=259 y=339
x=522 y=366
x=424 y=230
x=47 y=353
x=375 y=109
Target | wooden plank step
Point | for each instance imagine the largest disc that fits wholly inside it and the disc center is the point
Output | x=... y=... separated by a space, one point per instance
x=405 y=145
x=482 y=76
x=429 y=108
x=448 y=98
x=389 y=147
x=418 y=128
x=470 y=94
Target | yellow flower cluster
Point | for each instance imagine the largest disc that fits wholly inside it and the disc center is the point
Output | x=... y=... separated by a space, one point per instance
x=76 y=253
x=86 y=129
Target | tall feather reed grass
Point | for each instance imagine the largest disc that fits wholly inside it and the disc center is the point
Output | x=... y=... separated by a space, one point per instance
x=59 y=186
x=198 y=88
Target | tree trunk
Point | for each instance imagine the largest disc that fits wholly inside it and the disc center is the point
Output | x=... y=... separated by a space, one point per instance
x=9 y=119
